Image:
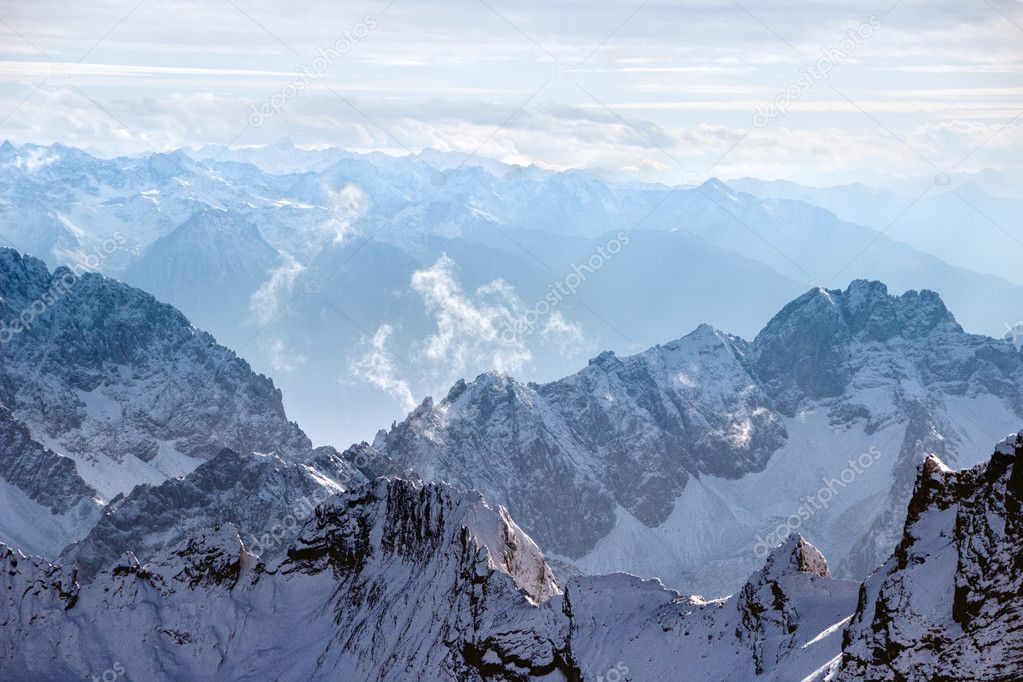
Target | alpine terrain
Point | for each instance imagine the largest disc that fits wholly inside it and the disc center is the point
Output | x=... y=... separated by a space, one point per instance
x=103 y=389
x=398 y=580
x=687 y=461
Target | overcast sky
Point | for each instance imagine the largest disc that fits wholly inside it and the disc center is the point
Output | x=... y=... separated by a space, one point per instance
x=667 y=91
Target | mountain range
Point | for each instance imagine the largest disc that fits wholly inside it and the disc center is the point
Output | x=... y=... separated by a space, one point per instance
x=303 y=246
x=963 y=218
x=685 y=456
x=398 y=580
x=598 y=503
x=693 y=455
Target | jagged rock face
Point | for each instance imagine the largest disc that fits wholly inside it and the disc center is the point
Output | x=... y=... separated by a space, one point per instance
x=770 y=619
x=393 y=581
x=45 y=476
x=916 y=329
x=122 y=388
x=949 y=602
x=810 y=349
x=44 y=503
x=107 y=371
x=641 y=463
x=398 y=580
x=266 y=497
x=34 y=597
x=415 y=522
x=622 y=433
x=422 y=565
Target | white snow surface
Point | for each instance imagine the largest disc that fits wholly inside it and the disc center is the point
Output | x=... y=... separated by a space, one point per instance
x=36 y=529
x=711 y=536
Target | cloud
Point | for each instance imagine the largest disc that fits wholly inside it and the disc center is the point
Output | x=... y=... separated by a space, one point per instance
x=470 y=329
x=378 y=366
x=660 y=137
x=171 y=77
x=562 y=334
x=281 y=360
x=346 y=205
x=266 y=301
x=36 y=159
x=472 y=332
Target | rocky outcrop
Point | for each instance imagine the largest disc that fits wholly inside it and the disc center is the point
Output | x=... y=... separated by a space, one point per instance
x=266 y=498
x=392 y=581
x=624 y=432
x=106 y=372
x=949 y=603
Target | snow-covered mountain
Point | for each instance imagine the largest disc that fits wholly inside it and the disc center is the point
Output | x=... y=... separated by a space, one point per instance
x=948 y=604
x=103 y=388
x=266 y=497
x=686 y=461
x=692 y=455
x=300 y=246
x=398 y=580
x=394 y=581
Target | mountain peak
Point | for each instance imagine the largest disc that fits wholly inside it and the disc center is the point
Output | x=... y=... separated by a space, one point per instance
x=418 y=523
x=951 y=597
x=714 y=184
x=209 y=222
x=717 y=191
x=869 y=310
x=795 y=555
x=865 y=309
x=168 y=164
x=870 y=290
x=706 y=333
x=212 y=557
x=805 y=349
x=606 y=360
